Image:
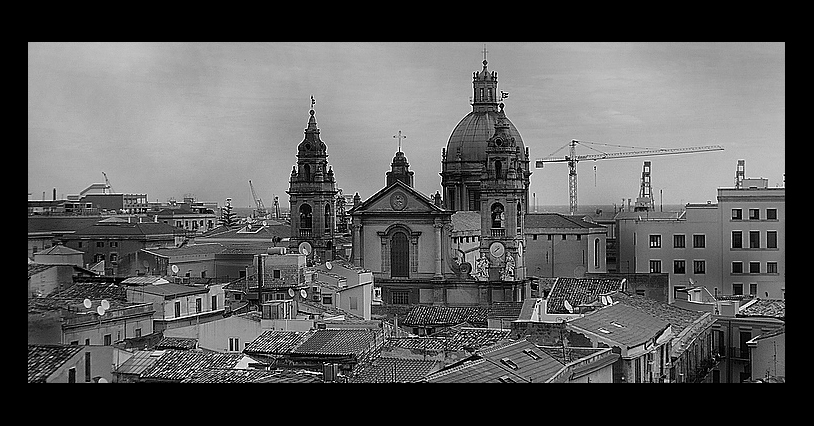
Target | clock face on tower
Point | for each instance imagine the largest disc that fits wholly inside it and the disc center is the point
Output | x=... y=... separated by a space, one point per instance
x=305 y=248
x=497 y=249
x=398 y=201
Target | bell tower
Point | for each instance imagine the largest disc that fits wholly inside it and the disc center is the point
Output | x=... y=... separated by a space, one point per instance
x=312 y=194
x=503 y=204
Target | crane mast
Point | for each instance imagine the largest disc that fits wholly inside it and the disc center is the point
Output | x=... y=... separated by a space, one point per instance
x=261 y=209
x=572 y=159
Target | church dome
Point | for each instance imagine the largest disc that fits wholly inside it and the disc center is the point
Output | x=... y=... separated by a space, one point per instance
x=470 y=137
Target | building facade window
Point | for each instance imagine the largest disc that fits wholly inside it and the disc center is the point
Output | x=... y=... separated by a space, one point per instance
x=754 y=214
x=753 y=289
x=400 y=297
x=655 y=266
x=771 y=267
x=699 y=266
x=214 y=302
x=771 y=214
x=198 y=305
x=771 y=239
x=275 y=273
x=177 y=309
x=399 y=255
x=327 y=299
x=72 y=375
x=737 y=289
x=737 y=239
x=596 y=253
x=138 y=332
x=737 y=214
x=699 y=241
x=107 y=340
x=754 y=239
x=655 y=241
x=305 y=216
x=679 y=241
x=679 y=267
x=737 y=267
x=234 y=344
x=754 y=267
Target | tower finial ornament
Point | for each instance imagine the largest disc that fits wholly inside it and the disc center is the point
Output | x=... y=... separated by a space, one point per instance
x=484 y=55
x=312 y=102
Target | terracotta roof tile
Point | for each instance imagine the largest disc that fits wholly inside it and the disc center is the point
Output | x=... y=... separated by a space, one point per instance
x=176 y=365
x=773 y=308
x=339 y=342
x=423 y=315
x=398 y=370
x=624 y=324
x=275 y=342
x=180 y=343
x=579 y=291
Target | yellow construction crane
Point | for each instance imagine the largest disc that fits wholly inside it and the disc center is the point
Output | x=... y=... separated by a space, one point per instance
x=572 y=159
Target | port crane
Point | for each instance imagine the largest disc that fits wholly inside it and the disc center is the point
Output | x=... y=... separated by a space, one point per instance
x=108 y=188
x=261 y=209
x=572 y=159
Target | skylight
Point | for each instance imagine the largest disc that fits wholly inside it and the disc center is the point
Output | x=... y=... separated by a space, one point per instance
x=506 y=379
x=509 y=363
x=531 y=353
x=604 y=330
x=616 y=324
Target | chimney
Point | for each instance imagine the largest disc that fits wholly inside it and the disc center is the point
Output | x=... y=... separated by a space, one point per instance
x=55 y=194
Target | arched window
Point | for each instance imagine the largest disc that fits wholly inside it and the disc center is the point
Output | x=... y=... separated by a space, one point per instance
x=305 y=216
x=497 y=215
x=306 y=170
x=399 y=255
x=327 y=218
x=519 y=216
x=498 y=169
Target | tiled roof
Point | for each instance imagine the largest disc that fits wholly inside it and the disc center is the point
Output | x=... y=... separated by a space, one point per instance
x=518 y=361
x=92 y=290
x=178 y=365
x=248 y=283
x=44 y=360
x=679 y=318
x=505 y=310
x=572 y=353
x=339 y=342
x=171 y=290
x=773 y=333
x=233 y=375
x=275 y=342
x=557 y=220
x=773 y=308
x=398 y=370
x=424 y=343
x=476 y=338
x=424 y=315
x=146 y=279
x=463 y=221
x=624 y=324
x=272 y=229
x=579 y=291
x=180 y=343
x=63 y=224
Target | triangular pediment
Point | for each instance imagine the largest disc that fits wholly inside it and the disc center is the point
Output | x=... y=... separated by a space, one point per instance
x=398 y=198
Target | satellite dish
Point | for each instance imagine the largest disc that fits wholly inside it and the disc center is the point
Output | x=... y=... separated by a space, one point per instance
x=87 y=303
x=105 y=304
x=610 y=301
x=329 y=265
x=291 y=292
x=568 y=306
x=603 y=299
x=174 y=269
x=100 y=310
x=102 y=380
x=303 y=293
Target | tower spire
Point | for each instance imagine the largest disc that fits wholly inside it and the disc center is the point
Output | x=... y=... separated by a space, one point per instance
x=484 y=55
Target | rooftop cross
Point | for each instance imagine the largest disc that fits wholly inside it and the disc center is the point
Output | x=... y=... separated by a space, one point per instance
x=312 y=101
x=484 y=55
x=399 y=136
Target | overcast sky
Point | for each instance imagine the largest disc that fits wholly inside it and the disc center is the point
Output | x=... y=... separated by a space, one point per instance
x=169 y=119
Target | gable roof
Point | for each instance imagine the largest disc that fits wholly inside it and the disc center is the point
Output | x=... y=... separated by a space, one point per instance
x=59 y=249
x=423 y=200
x=623 y=324
x=471 y=338
x=579 y=291
x=679 y=318
x=465 y=220
x=44 y=360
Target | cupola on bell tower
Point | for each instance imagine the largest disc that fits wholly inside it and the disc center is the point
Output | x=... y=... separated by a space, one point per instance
x=312 y=194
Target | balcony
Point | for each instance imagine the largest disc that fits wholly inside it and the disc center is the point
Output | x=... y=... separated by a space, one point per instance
x=305 y=232
x=498 y=232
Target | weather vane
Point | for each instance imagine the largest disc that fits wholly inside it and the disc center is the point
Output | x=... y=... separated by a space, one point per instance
x=312 y=101
x=399 y=136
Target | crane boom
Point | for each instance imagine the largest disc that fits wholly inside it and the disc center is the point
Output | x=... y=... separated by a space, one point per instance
x=107 y=184
x=261 y=209
x=572 y=159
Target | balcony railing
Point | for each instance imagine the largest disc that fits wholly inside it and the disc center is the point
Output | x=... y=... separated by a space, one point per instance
x=305 y=232
x=498 y=232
